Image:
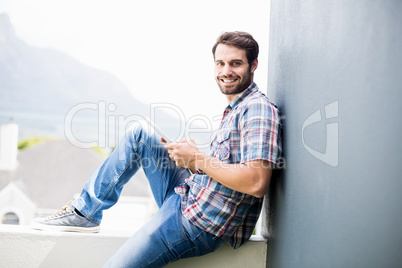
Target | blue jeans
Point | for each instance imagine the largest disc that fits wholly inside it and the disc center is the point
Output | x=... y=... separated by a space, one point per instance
x=168 y=236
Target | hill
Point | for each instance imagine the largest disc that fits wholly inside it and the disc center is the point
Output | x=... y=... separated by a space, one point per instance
x=39 y=87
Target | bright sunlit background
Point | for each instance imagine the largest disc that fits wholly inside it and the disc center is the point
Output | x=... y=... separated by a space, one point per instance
x=160 y=49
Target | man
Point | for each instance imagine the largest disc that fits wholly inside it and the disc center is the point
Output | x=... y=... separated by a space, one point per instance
x=220 y=202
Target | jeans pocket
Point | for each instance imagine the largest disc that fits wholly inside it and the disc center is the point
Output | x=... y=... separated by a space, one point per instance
x=201 y=241
x=189 y=230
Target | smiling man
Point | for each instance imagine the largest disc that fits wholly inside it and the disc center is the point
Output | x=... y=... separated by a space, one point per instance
x=219 y=201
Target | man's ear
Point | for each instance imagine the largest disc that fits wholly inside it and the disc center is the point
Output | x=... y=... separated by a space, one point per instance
x=254 y=65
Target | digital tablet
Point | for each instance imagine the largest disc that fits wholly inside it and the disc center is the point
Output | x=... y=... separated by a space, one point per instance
x=158 y=130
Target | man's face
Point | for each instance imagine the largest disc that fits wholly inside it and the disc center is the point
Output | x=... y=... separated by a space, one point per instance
x=232 y=71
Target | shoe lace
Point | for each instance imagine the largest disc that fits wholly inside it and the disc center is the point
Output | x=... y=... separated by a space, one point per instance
x=63 y=211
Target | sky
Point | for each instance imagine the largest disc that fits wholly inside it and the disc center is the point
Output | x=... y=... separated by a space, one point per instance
x=160 y=49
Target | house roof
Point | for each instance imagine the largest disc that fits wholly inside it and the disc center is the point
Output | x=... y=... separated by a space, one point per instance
x=5 y=178
x=52 y=172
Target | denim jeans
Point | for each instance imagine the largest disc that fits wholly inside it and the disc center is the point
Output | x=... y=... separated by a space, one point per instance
x=168 y=236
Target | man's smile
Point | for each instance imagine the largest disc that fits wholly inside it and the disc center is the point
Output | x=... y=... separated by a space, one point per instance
x=228 y=80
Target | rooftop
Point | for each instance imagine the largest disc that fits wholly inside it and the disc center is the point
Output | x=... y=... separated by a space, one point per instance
x=52 y=172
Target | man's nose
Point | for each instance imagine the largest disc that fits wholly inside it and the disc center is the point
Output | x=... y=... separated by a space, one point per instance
x=227 y=70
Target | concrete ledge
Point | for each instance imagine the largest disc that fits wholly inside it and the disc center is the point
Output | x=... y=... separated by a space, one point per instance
x=21 y=246
x=251 y=254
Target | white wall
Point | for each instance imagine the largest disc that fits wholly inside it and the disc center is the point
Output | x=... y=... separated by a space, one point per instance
x=8 y=146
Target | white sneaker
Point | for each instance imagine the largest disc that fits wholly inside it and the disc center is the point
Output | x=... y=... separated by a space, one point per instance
x=67 y=220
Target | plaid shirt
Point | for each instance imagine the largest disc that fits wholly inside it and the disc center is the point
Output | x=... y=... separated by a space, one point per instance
x=250 y=130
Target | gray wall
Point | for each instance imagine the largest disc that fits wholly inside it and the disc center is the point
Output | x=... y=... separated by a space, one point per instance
x=335 y=72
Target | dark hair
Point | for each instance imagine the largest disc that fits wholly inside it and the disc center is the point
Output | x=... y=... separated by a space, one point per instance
x=240 y=40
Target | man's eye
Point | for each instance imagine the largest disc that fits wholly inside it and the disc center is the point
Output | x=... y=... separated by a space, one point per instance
x=236 y=63
x=219 y=64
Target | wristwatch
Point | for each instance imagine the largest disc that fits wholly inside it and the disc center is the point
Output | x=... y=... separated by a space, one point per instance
x=199 y=171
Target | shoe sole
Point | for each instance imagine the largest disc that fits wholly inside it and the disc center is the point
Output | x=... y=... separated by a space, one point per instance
x=47 y=227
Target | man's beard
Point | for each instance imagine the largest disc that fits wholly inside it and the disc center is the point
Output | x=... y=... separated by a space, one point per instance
x=245 y=83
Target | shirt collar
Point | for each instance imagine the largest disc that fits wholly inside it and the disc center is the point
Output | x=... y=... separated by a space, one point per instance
x=252 y=88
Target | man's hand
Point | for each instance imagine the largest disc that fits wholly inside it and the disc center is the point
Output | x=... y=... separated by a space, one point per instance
x=183 y=153
x=252 y=177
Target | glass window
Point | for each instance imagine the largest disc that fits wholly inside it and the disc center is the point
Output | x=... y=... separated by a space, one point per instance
x=10 y=218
